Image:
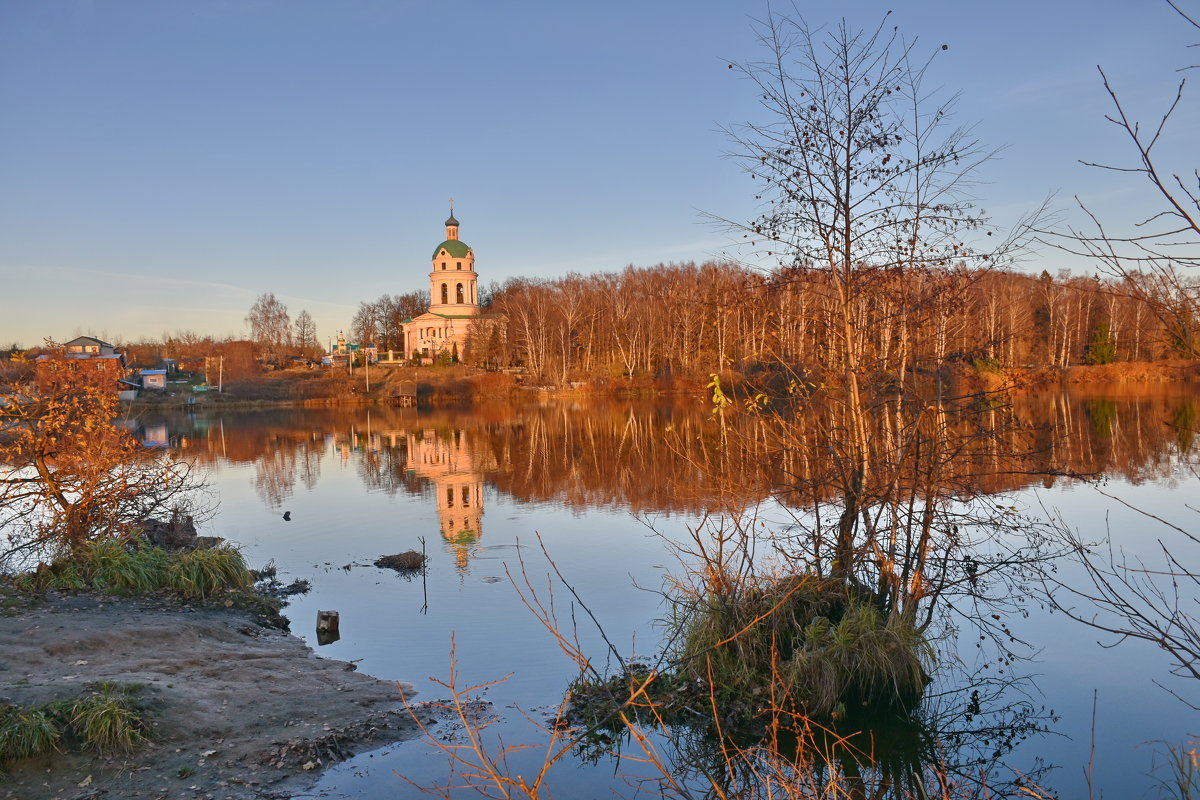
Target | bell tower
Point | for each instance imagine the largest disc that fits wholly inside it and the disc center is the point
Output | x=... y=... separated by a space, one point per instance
x=453 y=283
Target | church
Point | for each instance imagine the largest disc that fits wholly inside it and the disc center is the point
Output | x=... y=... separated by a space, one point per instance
x=453 y=300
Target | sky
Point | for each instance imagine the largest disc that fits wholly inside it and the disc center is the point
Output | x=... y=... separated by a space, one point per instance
x=163 y=163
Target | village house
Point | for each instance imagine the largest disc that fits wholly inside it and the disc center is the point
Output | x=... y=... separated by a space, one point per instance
x=88 y=346
x=82 y=360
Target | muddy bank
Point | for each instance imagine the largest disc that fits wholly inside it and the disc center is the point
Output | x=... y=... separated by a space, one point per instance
x=237 y=710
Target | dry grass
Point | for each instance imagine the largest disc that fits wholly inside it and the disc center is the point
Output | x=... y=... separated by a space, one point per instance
x=408 y=561
x=1135 y=372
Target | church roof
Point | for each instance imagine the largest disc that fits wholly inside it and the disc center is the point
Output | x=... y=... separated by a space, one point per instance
x=455 y=247
x=452 y=220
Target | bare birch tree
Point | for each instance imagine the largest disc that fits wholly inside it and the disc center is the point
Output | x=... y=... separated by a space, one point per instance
x=270 y=326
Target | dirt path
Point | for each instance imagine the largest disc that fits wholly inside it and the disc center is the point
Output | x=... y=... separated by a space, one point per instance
x=239 y=711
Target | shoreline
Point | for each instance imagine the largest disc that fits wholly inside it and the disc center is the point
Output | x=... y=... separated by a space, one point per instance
x=464 y=389
x=237 y=711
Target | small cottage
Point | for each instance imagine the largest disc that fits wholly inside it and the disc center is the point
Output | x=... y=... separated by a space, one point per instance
x=154 y=379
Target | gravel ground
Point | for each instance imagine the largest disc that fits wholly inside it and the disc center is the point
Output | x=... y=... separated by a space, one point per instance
x=237 y=710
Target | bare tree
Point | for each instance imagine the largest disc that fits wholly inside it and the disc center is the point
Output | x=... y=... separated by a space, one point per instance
x=270 y=326
x=1148 y=254
x=305 y=331
x=862 y=179
x=367 y=324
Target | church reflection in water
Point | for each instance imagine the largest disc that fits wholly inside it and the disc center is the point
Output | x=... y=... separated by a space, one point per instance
x=394 y=452
x=443 y=458
x=397 y=451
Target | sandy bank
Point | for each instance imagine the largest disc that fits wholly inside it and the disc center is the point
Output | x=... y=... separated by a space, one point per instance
x=238 y=710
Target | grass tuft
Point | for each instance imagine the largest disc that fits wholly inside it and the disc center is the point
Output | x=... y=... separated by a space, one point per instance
x=107 y=720
x=116 y=567
x=111 y=566
x=407 y=561
x=26 y=732
x=200 y=574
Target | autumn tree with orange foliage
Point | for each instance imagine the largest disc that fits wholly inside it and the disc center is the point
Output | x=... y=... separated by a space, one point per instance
x=68 y=474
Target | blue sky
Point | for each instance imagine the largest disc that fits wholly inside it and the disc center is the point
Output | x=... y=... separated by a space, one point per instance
x=162 y=163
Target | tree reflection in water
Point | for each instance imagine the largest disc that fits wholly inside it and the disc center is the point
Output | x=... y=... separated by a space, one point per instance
x=656 y=458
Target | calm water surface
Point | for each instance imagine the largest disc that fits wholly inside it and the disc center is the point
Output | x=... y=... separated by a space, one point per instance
x=605 y=488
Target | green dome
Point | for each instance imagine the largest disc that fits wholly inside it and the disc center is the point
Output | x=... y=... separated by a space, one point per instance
x=455 y=247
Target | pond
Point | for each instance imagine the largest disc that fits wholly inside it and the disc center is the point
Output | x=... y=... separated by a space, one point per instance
x=600 y=491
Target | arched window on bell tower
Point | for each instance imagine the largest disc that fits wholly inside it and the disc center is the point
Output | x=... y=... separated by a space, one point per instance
x=445 y=294
x=458 y=294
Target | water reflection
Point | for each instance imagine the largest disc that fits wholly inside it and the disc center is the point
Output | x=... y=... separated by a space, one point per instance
x=675 y=457
x=445 y=459
x=666 y=457
x=894 y=757
x=954 y=744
